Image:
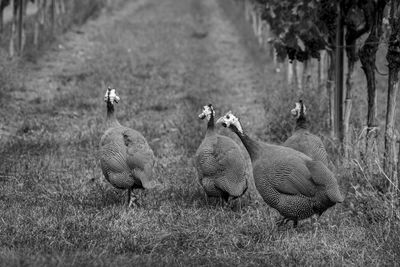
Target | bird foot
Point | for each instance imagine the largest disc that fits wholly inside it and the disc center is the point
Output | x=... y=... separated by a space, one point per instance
x=134 y=202
x=282 y=222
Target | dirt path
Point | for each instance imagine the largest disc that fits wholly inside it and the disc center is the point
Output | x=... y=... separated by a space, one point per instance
x=239 y=77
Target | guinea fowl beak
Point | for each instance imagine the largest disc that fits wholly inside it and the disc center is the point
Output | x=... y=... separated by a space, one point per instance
x=202 y=116
x=294 y=112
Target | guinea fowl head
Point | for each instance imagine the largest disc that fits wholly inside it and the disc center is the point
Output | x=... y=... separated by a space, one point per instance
x=299 y=110
x=230 y=121
x=110 y=97
x=207 y=112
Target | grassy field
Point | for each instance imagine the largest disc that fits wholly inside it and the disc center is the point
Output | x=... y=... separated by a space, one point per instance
x=167 y=59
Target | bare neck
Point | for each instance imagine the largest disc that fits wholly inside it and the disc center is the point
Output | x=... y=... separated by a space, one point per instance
x=252 y=147
x=302 y=123
x=111 y=118
x=211 y=124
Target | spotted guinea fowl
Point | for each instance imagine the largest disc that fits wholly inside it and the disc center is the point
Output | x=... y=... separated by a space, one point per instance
x=304 y=141
x=126 y=159
x=288 y=180
x=219 y=162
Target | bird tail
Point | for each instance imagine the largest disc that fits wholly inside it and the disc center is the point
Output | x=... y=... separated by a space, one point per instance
x=322 y=176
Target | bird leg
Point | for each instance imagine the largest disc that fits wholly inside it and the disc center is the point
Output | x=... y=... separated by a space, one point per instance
x=134 y=202
x=282 y=221
x=224 y=199
x=131 y=200
x=128 y=197
x=314 y=219
x=234 y=203
x=249 y=197
x=134 y=199
x=285 y=220
x=206 y=198
x=221 y=202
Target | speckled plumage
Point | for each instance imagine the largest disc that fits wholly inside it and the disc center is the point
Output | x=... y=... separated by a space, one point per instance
x=293 y=183
x=220 y=165
x=126 y=158
x=311 y=145
x=304 y=141
x=290 y=181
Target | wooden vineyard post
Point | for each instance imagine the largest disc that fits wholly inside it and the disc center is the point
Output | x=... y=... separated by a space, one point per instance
x=352 y=34
x=319 y=74
x=247 y=10
x=398 y=163
x=39 y=20
x=393 y=58
x=338 y=123
x=305 y=76
x=367 y=54
x=330 y=88
x=52 y=15
x=20 y=24
x=1 y=17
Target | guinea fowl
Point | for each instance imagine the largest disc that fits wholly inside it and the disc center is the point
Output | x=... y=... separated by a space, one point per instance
x=220 y=165
x=126 y=159
x=304 y=141
x=288 y=180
